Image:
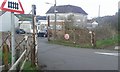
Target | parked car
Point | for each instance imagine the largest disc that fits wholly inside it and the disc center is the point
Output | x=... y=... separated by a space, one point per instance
x=20 y=31
x=42 y=34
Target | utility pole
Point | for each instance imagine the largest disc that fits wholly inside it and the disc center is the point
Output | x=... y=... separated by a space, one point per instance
x=55 y=20
x=34 y=43
x=48 y=28
x=99 y=11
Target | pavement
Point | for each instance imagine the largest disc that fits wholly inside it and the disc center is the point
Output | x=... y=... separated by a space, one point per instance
x=57 y=57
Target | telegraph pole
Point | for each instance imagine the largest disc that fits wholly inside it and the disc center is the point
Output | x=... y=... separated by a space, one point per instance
x=99 y=11
x=48 y=28
x=55 y=19
x=34 y=32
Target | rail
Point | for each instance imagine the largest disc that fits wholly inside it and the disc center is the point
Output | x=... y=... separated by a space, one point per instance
x=24 y=55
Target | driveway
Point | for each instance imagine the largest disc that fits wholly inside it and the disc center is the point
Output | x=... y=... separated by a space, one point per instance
x=57 y=57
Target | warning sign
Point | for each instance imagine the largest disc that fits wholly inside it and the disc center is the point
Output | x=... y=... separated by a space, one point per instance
x=12 y=6
x=66 y=36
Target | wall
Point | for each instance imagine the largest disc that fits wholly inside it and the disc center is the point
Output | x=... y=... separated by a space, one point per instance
x=79 y=19
x=27 y=26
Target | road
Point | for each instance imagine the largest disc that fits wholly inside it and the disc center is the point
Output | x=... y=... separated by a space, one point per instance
x=58 y=57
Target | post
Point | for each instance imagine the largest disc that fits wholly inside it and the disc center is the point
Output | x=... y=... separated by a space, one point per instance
x=55 y=20
x=48 y=28
x=34 y=44
x=13 y=37
x=99 y=11
x=5 y=56
x=93 y=42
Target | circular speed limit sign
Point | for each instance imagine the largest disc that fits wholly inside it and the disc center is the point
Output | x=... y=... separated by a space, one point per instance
x=66 y=36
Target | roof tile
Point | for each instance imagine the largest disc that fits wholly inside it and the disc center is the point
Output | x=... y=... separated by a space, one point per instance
x=67 y=9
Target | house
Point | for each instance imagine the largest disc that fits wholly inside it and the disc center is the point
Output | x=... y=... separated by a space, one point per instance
x=94 y=24
x=5 y=21
x=91 y=24
x=63 y=12
x=26 y=26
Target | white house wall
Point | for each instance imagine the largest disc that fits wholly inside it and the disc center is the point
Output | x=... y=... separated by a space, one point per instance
x=5 y=22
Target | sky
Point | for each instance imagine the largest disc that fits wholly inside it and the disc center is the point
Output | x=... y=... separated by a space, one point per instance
x=107 y=7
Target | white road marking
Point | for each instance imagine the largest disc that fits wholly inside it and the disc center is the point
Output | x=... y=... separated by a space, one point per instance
x=110 y=54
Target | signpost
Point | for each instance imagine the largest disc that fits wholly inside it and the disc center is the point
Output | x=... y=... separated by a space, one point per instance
x=12 y=6
x=66 y=36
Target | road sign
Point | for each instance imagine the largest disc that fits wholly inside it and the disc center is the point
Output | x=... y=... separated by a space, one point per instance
x=66 y=36
x=12 y=6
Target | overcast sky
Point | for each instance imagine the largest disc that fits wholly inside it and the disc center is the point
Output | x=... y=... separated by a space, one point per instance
x=107 y=7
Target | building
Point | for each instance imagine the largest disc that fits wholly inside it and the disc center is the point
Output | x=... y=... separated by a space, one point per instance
x=42 y=23
x=92 y=24
x=5 y=21
x=26 y=26
x=25 y=22
x=64 y=12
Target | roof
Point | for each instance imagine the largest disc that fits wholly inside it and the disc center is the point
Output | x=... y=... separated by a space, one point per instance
x=24 y=17
x=26 y=22
x=95 y=23
x=67 y=9
x=41 y=17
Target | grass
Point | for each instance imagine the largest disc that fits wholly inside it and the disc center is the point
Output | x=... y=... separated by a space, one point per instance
x=99 y=44
x=28 y=67
x=0 y=54
x=108 y=42
x=71 y=44
x=0 y=33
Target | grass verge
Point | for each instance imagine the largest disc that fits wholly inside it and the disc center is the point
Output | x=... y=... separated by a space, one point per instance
x=108 y=42
x=29 y=68
x=99 y=44
x=71 y=44
x=0 y=54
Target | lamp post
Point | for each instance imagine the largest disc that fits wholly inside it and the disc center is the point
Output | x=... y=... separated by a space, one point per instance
x=55 y=19
x=55 y=11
